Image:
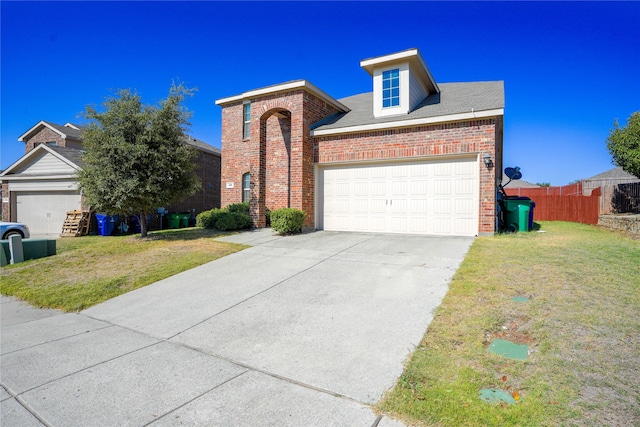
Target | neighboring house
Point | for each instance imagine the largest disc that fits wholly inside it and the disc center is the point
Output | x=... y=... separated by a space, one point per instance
x=408 y=157
x=620 y=190
x=40 y=187
x=518 y=183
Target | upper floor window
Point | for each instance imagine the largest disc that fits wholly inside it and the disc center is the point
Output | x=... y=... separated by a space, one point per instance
x=246 y=115
x=53 y=143
x=246 y=187
x=391 y=88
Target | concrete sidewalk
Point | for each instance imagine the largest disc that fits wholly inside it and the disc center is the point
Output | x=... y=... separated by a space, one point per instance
x=297 y=331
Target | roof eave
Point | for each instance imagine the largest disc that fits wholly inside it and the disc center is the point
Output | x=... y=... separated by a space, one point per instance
x=32 y=153
x=298 y=84
x=410 y=122
x=415 y=60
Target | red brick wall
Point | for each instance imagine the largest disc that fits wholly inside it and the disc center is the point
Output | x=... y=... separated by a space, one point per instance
x=264 y=154
x=44 y=135
x=278 y=146
x=470 y=137
x=266 y=148
x=208 y=197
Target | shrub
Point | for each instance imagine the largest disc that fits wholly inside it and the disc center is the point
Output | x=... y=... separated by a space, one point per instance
x=242 y=208
x=226 y=221
x=207 y=219
x=287 y=220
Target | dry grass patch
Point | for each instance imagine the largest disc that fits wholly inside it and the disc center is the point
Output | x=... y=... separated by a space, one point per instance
x=581 y=324
x=89 y=270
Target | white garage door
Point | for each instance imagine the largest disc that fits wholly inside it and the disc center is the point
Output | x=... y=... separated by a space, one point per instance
x=428 y=197
x=45 y=212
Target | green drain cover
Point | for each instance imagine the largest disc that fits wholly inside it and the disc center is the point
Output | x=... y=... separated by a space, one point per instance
x=520 y=299
x=509 y=349
x=494 y=395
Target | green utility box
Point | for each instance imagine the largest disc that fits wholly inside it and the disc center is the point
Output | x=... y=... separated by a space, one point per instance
x=32 y=249
x=518 y=214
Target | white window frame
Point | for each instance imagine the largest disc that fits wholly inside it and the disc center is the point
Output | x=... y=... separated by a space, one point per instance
x=391 y=98
x=246 y=120
x=246 y=187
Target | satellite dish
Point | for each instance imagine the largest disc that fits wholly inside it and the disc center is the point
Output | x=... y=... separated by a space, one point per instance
x=513 y=173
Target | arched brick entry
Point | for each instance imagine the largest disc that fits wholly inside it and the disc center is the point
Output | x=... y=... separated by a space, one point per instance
x=278 y=152
x=271 y=176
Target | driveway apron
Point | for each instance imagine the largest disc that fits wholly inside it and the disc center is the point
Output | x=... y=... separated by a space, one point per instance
x=300 y=330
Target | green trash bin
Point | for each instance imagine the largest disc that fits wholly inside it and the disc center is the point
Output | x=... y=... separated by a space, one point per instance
x=516 y=215
x=174 y=220
x=523 y=217
x=184 y=220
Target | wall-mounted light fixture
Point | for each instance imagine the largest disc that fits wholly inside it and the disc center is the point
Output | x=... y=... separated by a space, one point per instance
x=487 y=161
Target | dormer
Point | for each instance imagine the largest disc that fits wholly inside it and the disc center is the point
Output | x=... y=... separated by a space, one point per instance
x=401 y=81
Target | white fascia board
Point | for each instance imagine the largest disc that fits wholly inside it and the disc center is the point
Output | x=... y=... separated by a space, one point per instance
x=40 y=123
x=369 y=64
x=299 y=84
x=411 y=123
x=38 y=177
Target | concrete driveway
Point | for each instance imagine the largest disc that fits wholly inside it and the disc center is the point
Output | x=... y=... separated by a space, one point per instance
x=295 y=331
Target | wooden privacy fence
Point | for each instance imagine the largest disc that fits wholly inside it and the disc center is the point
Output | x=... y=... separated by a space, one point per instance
x=552 y=205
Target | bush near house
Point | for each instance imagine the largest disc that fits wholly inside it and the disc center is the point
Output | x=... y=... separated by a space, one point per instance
x=287 y=220
x=232 y=217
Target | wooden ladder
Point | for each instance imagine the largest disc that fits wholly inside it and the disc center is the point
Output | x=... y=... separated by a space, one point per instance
x=76 y=224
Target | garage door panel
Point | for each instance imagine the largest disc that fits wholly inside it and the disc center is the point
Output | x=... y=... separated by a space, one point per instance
x=442 y=187
x=378 y=188
x=378 y=206
x=464 y=207
x=428 y=197
x=465 y=186
x=45 y=212
x=361 y=206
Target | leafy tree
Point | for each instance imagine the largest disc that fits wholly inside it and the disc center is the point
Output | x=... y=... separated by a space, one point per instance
x=136 y=159
x=624 y=144
x=543 y=184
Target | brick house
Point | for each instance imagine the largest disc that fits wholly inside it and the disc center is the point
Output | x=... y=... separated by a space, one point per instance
x=412 y=156
x=40 y=187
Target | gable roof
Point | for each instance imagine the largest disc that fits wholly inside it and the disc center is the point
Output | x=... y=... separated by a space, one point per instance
x=518 y=183
x=70 y=156
x=72 y=131
x=283 y=87
x=69 y=130
x=456 y=101
x=415 y=60
x=614 y=174
x=201 y=145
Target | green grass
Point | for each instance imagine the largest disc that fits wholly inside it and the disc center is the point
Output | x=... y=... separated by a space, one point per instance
x=581 y=324
x=91 y=269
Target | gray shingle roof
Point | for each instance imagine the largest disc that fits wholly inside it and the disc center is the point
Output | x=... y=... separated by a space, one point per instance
x=77 y=135
x=518 y=183
x=71 y=154
x=454 y=98
x=201 y=145
x=615 y=173
x=69 y=131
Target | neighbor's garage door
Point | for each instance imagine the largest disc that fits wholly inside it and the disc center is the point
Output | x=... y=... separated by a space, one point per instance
x=429 y=197
x=45 y=212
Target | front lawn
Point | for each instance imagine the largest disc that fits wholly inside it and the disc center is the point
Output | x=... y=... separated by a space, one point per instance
x=581 y=323
x=91 y=269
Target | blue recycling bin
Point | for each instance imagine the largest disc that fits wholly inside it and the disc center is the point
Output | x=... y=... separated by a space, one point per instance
x=106 y=224
x=136 y=223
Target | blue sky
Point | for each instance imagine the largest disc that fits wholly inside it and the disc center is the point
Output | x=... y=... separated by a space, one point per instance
x=569 y=68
